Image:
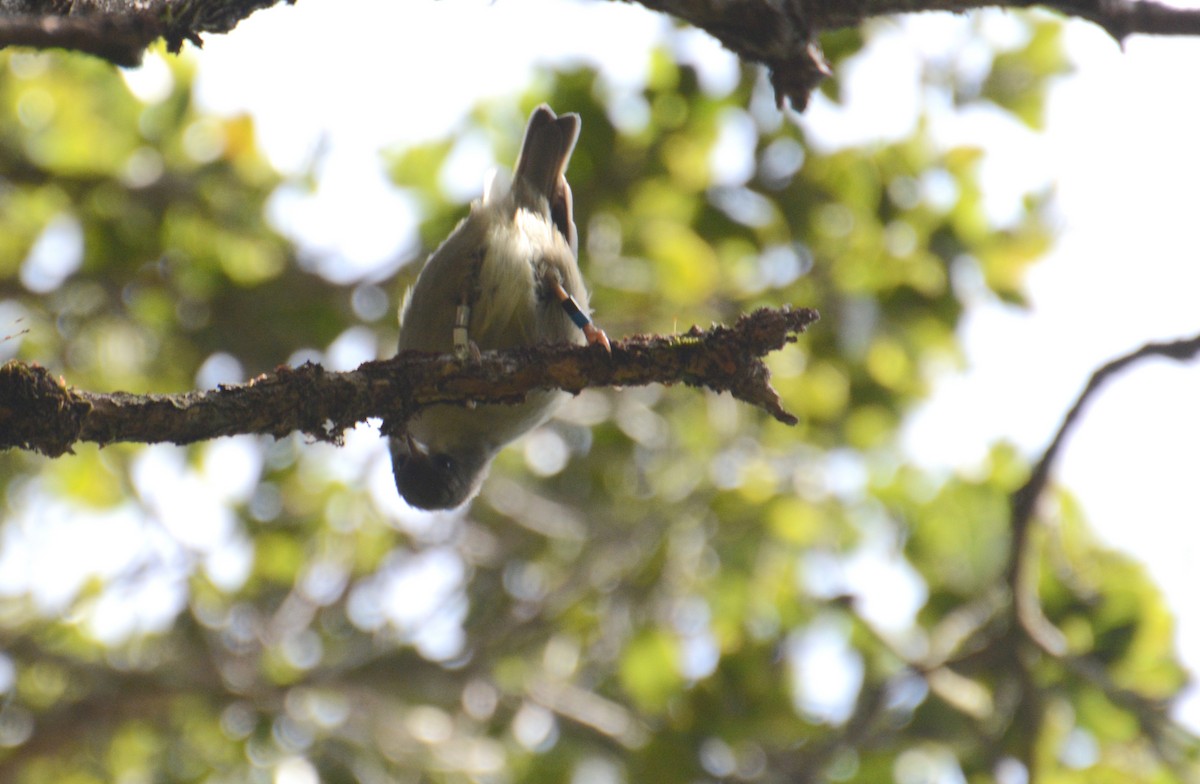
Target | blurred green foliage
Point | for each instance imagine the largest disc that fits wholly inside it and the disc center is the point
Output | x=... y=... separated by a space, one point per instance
x=658 y=587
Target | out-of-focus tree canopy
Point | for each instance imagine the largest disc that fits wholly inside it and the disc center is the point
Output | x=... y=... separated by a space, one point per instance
x=659 y=586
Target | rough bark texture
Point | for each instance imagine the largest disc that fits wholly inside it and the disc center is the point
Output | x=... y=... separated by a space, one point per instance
x=118 y=30
x=42 y=413
x=780 y=34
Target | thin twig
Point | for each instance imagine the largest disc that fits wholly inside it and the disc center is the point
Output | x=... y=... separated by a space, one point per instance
x=1024 y=500
x=1031 y=622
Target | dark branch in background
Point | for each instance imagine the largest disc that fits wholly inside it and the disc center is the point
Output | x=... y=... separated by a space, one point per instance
x=120 y=40
x=779 y=34
x=40 y=413
x=1123 y=18
x=992 y=645
x=782 y=34
x=118 y=30
x=1024 y=500
x=1031 y=625
x=1119 y=18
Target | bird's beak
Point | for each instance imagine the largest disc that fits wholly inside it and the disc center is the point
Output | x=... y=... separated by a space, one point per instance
x=415 y=449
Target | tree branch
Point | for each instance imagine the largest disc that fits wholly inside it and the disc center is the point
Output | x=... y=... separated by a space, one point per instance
x=1024 y=500
x=782 y=34
x=1123 y=18
x=118 y=30
x=1119 y=18
x=119 y=40
x=779 y=34
x=1030 y=622
x=41 y=413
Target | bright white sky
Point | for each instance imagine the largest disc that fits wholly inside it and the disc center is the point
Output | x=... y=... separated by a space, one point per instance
x=1120 y=148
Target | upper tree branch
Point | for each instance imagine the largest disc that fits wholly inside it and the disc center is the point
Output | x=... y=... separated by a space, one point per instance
x=782 y=34
x=118 y=30
x=38 y=412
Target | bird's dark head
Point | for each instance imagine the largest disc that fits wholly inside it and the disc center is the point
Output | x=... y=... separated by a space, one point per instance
x=435 y=480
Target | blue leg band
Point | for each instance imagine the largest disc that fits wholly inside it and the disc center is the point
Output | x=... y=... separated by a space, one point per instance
x=578 y=316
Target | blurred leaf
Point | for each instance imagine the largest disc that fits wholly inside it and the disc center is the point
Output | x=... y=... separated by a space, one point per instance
x=1019 y=77
x=649 y=670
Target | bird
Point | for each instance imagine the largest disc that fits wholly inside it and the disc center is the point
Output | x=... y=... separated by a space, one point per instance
x=507 y=276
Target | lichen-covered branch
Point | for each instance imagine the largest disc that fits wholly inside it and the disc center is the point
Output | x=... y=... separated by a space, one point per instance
x=118 y=30
x=1119 y=18
x=782 y=34
x=779 y=35
x=41 y=413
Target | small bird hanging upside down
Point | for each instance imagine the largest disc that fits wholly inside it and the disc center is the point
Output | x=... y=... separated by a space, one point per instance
x=506 y=276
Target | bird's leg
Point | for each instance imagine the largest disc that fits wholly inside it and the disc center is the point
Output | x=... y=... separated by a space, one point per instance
x=594 y=334
x=464 y=347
